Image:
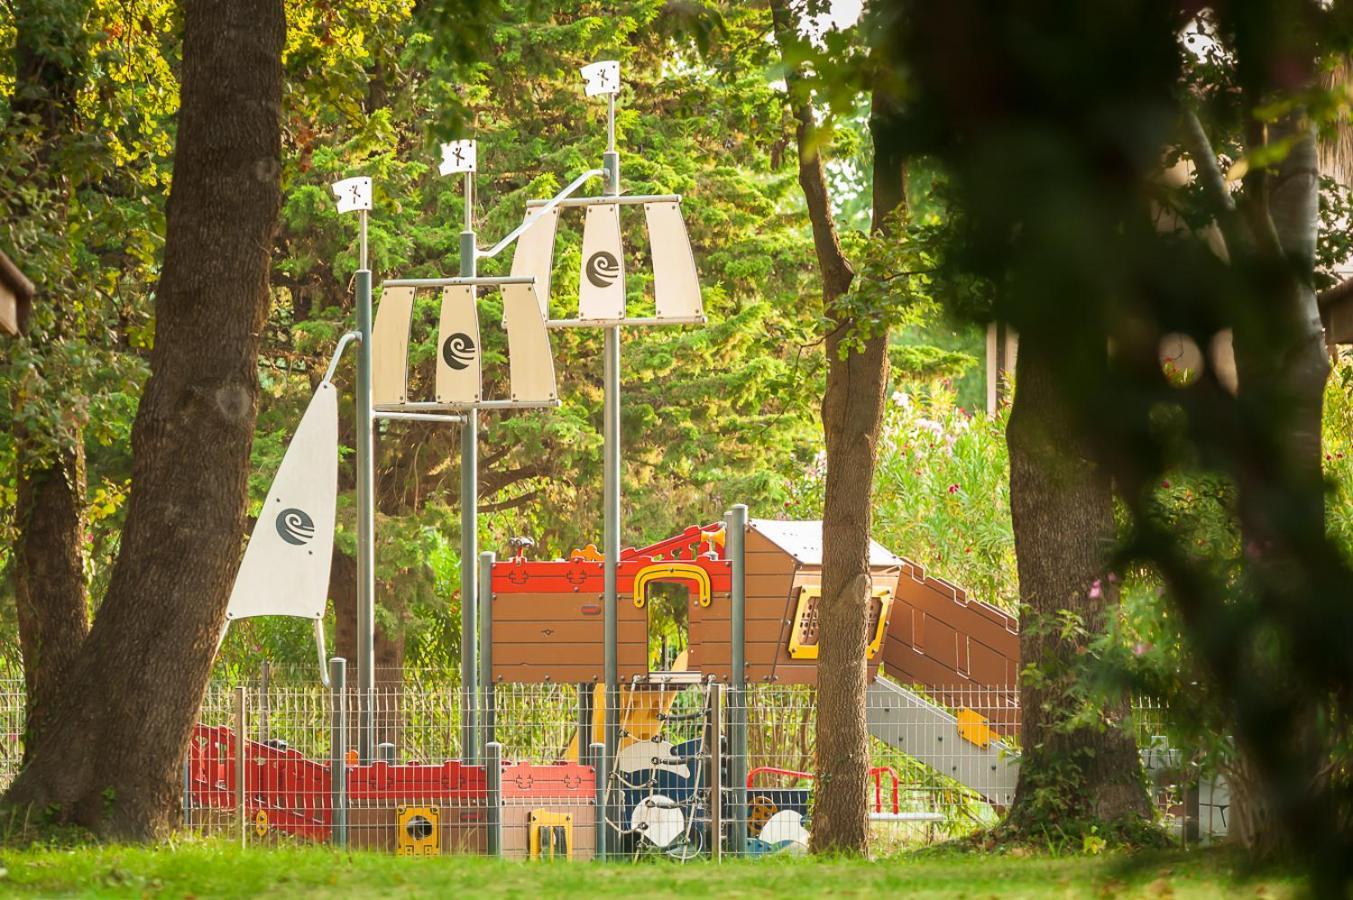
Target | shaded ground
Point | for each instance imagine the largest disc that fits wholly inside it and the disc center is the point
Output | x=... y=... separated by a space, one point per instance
x=217 y=869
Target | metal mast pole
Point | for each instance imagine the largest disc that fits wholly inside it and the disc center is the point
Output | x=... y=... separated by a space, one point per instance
x=469 y=521
x=611 y=465
x=366 y=518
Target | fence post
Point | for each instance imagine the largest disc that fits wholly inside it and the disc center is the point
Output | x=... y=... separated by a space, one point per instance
x=264 y=680
x=585 y=690
x=188 y=785
x=735 y=544
x=338 y=751
x=488 y=711
x=493 y=762
x=716 y=771
x=598 y=754
x=241 y=724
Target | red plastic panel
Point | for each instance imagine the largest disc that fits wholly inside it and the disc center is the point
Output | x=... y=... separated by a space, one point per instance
x=559 y=781
x=416 y=783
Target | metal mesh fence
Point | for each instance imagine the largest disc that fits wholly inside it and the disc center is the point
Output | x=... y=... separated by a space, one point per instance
x=528 y=776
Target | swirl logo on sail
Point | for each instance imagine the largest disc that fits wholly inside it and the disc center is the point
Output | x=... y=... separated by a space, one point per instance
x=458 y=351
x=603 y=269
x=295 y=526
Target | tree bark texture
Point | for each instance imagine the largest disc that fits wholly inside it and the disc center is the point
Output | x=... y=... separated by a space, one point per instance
x=50 y=593
x=1282 y=367
x=110 y=758
x=1062 y=510
x=49 y=582
x=852 y=414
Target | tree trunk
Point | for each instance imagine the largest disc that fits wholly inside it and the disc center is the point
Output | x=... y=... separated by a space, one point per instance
x=1062 y=510
x=1282 y=366
x=110 y=758
x=852 y=415
x=49 y=583
x=50 y=595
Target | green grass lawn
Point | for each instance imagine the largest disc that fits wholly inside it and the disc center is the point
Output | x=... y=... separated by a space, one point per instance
x=223 y=870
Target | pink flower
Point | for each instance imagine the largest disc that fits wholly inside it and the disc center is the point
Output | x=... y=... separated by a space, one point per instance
x=1096 y=590
x=953 y=489
x=1165 y=484
x=1139 y=649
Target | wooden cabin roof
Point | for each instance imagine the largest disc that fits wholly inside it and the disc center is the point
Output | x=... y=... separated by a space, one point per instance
x=802 y=539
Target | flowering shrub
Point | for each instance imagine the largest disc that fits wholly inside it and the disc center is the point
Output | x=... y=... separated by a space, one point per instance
x=941 y=493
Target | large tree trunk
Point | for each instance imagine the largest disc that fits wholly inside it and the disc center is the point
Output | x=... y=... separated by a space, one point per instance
x=49 y=583
x=1062 y=509
x=110 y=758
x=49 y=588
x=1283 y=366
x=852 y=415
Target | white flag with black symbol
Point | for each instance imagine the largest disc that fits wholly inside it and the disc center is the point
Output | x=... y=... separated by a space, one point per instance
x=601 y=78
x=601 y=284
x=353 y=194
x=285 y=571
x=458 y=156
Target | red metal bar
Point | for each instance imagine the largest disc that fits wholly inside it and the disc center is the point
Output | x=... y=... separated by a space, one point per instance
x=877 y=774
x=772 y=770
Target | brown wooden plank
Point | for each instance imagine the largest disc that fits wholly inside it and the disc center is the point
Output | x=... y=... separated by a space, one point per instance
x=526 y=673
x=564 y=632
x=546 y=607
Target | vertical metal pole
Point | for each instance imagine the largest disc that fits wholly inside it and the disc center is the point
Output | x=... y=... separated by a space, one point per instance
x=600 y=767
x=586 y=696
x=338 y=750
x=469 y=522
x=188 y=786
x=241 y=723
x=487 y=710
x=611 y=467
x=716 y=771
x=735 y=545
x=264 y=677
x=366 y=515
x=493 y=762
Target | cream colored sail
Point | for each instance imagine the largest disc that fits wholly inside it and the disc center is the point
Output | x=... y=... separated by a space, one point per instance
x=458 y=349
x=601 y=283
x=534 y=254
x=531 y=364
x=676 y=285
x=285 y=571
x=390 y=347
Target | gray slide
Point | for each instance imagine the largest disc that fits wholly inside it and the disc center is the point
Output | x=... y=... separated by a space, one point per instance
x=908 y=722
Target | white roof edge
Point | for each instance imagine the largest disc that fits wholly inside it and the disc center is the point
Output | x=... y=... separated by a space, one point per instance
x=802 y=539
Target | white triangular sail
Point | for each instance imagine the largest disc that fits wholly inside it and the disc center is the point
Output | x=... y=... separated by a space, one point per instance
x=601 y=283
x=390 y=347
x=534 y=254
x=285 y=571
x=531 y=364
x=458 y=350
x=676 y=284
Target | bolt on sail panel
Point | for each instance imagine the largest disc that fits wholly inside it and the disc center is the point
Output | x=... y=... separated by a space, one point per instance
x=285 y=571
x=601 y=292
x=531 y=363
x=534 y=254
x=390 y=346
x=458 y=349
x=676 y=285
